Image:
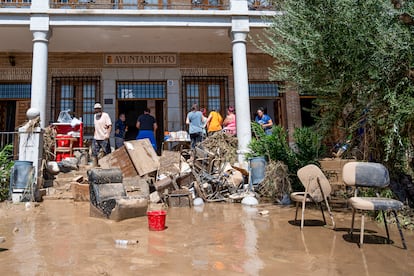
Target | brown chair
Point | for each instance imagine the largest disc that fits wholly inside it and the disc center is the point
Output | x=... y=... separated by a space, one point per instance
x=374 y=175
x=317 y=190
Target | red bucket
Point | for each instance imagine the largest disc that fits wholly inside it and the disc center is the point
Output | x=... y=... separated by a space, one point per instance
x=156 y=220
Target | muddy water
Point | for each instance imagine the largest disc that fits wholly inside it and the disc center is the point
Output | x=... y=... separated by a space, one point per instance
x=59 y=238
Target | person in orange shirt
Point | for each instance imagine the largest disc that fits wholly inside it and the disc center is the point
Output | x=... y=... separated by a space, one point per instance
x=214 y=122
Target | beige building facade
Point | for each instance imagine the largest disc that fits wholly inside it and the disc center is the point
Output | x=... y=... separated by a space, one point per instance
x=164 y=58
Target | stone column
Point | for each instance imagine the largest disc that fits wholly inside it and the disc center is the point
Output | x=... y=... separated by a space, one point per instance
x=240 y=29
x=39 y=26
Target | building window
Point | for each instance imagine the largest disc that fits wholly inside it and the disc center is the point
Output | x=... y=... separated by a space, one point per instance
x=207 y=92
x=15 y=90
x=206 y=4
x=263 y=90
x=141 y=89
x=78 y=95
x=14 y=102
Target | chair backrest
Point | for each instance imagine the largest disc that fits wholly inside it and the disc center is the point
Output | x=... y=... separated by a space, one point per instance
x=309 y=176
x=365 y=174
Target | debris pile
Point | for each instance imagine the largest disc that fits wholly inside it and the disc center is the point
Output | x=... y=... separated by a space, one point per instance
x=276 y=184
x=215 y=178
x=223 y=146
x=177 y=178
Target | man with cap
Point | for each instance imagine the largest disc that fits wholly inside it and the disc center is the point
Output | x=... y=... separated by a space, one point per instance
x=103 y=127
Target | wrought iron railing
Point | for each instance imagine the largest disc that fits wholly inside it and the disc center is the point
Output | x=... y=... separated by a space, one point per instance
x=15 y=3
x=143 y=4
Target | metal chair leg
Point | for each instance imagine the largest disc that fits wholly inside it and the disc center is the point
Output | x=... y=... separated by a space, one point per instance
x=386 y=226
x=323 y=214
x=399 y=229
x=296 y=213
x=303 y=215
x=330 y=213
x=352 y=224
x=361 y=236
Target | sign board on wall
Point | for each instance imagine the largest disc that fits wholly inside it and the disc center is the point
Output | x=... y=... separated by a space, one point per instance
x=141 y=59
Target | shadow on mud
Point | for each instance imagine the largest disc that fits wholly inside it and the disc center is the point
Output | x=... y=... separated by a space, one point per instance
x=307 y=222
x=368 y=239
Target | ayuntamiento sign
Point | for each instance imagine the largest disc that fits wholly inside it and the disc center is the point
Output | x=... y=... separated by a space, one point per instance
x=141 y=59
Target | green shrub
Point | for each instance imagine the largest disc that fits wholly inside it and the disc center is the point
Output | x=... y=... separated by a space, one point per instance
x=309 y=146
x=276 y=147
x=6 y=163
x=273 y=147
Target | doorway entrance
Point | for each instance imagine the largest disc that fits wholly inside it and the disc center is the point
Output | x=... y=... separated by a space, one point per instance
x=273 y=108
x=134 y=108
x=8 y=114
x=131 y=109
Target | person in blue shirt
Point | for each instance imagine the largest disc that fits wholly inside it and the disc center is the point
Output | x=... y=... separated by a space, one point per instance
x=264 y=120
x=120 y=129
x=195 y=122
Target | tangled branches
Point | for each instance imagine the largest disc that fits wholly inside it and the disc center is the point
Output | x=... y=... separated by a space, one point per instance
x=222 y=145
x=276 y=183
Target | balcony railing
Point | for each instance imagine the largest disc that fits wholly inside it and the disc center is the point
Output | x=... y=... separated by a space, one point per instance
x=15 y=3
x=143 y=4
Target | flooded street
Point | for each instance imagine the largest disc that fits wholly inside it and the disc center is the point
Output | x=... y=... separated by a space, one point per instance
x=58 y=237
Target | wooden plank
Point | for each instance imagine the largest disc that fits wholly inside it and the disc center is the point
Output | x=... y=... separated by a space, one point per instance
x=119 y=159
x=333 y=169
x=143 y=156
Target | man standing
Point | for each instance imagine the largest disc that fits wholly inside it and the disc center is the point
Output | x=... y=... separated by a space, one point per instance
x=103 y=127
x=147 y=126
x=120 y=129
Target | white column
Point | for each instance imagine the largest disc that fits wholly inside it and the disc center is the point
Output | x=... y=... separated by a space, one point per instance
x=39 y=73
x=239 y=33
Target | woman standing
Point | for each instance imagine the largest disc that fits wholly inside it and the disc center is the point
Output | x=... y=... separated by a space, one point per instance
x=264 y=120
x=230 y=121
x=214 y=122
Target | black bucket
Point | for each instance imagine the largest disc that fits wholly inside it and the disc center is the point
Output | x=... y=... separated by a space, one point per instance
x=21 y=173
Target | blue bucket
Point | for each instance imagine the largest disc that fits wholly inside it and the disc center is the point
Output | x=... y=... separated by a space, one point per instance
x=21 y=174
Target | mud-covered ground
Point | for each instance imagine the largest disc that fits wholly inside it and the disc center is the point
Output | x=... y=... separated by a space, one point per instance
x=58 y=237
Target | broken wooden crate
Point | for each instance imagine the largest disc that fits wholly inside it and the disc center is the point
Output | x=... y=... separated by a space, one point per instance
x=134 y=158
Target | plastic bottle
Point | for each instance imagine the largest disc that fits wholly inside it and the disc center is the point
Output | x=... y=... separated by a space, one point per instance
x=126 y=242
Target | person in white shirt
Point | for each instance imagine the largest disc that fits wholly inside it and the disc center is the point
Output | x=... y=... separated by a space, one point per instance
x=103 y=127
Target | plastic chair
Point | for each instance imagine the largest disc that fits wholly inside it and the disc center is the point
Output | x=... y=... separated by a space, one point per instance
x=317 y=190
x=375 y=175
